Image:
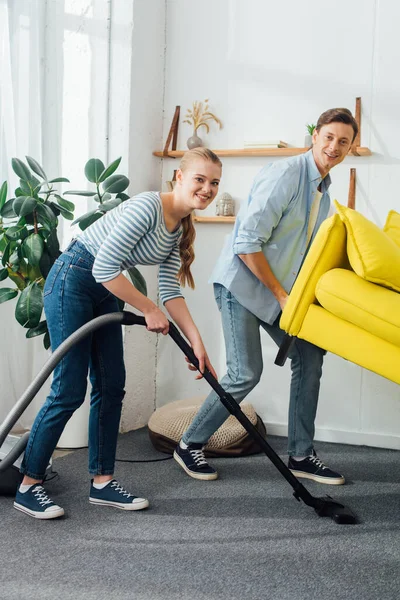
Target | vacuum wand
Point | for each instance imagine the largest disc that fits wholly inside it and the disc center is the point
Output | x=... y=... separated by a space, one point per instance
x=324 y=507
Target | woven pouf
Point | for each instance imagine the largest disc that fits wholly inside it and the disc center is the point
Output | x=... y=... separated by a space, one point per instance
x=168 y=423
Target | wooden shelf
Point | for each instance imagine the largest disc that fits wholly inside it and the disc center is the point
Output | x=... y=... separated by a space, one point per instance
x=358 y=151
x=214 y=219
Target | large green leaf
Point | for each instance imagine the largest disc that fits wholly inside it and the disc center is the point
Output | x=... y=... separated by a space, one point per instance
x=79 y=193
x=85 y=216
x=38 y=330
x=54 y=207
x=21 y=169
x=46 y=340
x=66 y=213
x=110 y=170
x=53 y=245
x=93 y=169
x=65 y=203
x=138 y=280
x=45 y=263
x=33 y=248
x=36 y=168
x=24 y=187
x=46 y=215
x=29 y=218
x=123 y=196
x=7 y=212
x=90 y=220
x=23 y=205
x=110 y=204
x=59 y=180
x=3 y=243
x=28 y=187
x=3 y=274
x=29 y=306
x=17 y=279
x=6 y=254
x=17 y=232
x=34 y=273
x=3 y=194
x=115 y=184
x=7 y=294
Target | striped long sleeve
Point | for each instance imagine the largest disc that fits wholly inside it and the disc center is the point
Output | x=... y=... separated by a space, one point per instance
x=134 y=233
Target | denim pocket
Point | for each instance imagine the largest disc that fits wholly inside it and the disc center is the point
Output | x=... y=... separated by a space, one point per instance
x=52 y=276
x=82 y=264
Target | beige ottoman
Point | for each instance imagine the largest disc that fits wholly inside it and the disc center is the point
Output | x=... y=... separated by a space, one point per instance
x=168 y=423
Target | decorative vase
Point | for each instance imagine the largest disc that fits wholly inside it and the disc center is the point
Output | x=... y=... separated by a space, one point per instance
x=308 y=141
x=194 y=141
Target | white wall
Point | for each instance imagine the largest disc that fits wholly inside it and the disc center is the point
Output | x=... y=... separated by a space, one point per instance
x=145 y=128
x=269 y=68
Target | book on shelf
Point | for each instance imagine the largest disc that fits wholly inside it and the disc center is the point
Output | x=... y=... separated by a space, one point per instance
x=266 y=144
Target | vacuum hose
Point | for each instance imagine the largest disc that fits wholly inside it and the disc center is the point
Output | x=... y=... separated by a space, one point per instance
x=324 y=507
x=124 y=317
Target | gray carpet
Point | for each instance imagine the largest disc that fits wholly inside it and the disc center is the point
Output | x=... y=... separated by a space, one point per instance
x=241 y=537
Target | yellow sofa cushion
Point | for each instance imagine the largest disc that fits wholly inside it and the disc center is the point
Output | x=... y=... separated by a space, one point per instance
x=372 y=253
x=392 y=226
x=366 y=305
x=327 y=251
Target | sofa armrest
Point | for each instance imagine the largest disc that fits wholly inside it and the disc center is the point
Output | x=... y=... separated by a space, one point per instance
x=328 y=251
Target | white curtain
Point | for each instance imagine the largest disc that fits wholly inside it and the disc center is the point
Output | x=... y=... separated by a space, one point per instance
x=21 y=85
x=63 y=100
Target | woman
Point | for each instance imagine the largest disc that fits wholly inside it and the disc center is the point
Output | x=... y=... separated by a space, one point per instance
x=85 y=282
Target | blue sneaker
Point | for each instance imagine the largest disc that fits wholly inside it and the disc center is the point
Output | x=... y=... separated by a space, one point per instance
x=113 y=494
x=36 y=503
x=193 y=462
x=313 y=468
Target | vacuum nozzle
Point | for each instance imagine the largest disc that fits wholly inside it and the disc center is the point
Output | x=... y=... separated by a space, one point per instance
x=327 y=507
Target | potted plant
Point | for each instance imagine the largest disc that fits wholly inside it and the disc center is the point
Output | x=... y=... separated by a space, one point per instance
x=28 y=241
x=198 y=117
x=29 y=244
x=308 y=137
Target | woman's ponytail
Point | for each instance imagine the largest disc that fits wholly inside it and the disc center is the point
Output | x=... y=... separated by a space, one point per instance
x=186 y=252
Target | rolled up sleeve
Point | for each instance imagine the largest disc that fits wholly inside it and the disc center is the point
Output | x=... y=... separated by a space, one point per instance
x=270 y=195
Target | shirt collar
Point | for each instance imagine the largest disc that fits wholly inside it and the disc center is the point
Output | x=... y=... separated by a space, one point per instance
x=313 y=172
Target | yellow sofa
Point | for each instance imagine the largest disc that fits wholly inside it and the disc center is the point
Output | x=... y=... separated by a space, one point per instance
x=346 y=297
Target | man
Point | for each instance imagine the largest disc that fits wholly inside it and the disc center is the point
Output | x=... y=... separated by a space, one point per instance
x=252 y=279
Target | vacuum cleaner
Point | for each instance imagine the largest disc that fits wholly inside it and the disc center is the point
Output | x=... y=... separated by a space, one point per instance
x=9 y=474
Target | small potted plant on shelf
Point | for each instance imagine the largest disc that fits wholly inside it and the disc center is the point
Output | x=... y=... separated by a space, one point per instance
x=308 y=137
x=198 y=117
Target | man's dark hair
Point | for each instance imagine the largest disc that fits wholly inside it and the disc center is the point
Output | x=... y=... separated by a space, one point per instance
x=338 y=115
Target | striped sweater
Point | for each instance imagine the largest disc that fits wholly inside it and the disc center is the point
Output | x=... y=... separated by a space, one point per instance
x=134 y=233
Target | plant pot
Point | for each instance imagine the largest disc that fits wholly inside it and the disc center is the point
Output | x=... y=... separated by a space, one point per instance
x=308 y=141
x=194 y=142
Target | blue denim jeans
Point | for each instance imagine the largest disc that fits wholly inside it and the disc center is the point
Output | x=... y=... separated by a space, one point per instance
x=244 y=364
x=72 y=298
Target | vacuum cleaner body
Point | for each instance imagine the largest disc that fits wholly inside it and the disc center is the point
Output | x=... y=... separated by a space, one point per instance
x=11 y=477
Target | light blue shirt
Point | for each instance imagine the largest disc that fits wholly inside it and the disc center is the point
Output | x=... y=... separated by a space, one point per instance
x=274 y=220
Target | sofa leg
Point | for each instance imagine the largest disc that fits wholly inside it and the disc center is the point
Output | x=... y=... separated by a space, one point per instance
x=284 y=349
